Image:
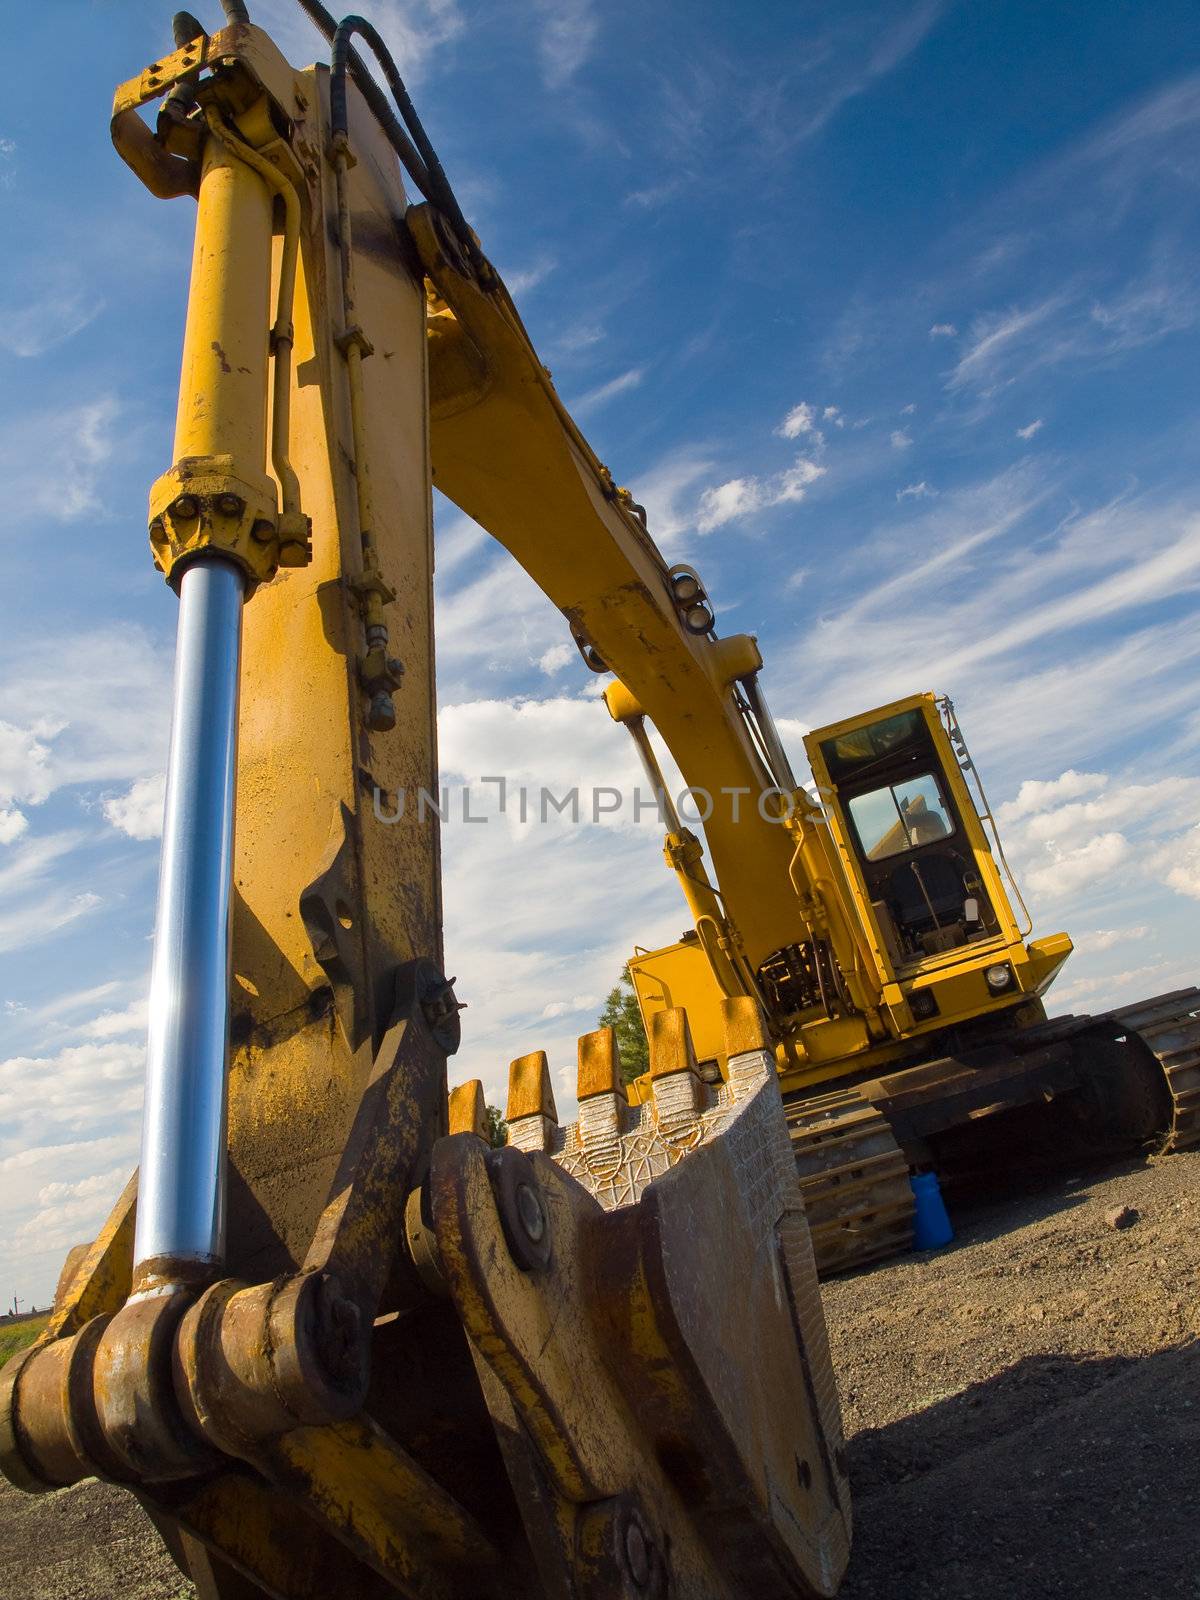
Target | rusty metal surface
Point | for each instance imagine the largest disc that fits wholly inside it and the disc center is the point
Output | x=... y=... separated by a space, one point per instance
x=617 y=1368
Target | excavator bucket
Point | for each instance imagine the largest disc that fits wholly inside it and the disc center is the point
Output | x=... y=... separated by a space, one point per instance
x=334 y=1342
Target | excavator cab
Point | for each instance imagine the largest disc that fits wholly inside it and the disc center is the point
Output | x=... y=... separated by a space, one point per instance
x=923 y=858
x=909 y=836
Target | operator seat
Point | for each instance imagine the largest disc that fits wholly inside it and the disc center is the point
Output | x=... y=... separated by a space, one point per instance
x=942 y=877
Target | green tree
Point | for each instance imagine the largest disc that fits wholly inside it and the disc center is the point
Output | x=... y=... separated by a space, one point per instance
x=497 y=1128
x=621 y=1014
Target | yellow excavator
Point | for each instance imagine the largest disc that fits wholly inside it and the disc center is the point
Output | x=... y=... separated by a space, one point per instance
x=334 y=1342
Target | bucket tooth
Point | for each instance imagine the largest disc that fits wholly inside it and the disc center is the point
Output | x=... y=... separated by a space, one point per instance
x=618 y=1148
x=531 y=1114
x=603 y=1099
x=468 y=1109
x=675 y=1081
x=747 y=1044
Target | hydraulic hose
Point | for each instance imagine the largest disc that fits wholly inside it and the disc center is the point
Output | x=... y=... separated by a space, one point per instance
x=411 y=143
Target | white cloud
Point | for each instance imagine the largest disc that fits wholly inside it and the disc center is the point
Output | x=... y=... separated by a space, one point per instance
x=989 y=593
x=654 y=194
x=662 y=490
x=1028 y=431
x=528 y=278
x=943 y=330
x=582 y=336
x=901 y=440
x=556 y=658
x=68 y=1142
x=793 y=482
x=1041 y=795
x=413 y=30
x=572 y=1007
x=916 y=491
x=133 y=1019
x=994 y=338
x=567 y=31
x=739 y=497
x=13 y=824
x=35 y=899
x=1072 y=326
x=1160 y=806
x=139 y=811
x=800 y=419
x=112 y=728
x=575 y=895
x=885 y=51
x=1075 y=866
x=1113 y=987
x=52 y=462
x=1179 y=864
x=595 y=398
x=25 y=772
x=48 y=319
x=1108 y=938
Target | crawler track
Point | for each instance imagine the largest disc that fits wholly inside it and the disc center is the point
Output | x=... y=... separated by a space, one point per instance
x=854 y=1174
x=1169 y=1027
x=854 y=1179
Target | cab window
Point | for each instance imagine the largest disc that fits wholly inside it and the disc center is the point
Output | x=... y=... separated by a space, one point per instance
x=900 y=816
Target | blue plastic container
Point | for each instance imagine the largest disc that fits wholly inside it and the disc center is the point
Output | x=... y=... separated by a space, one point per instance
x=931 y=1225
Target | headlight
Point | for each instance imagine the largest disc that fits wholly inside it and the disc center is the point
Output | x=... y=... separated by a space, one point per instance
x=922 y=1004
x=999 y=978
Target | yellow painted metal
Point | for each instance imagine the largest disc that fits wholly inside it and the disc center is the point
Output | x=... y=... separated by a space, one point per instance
x=309 y=769
x=507 y=452
x=336 y=871
x=498 y=427
x=222 y=409
x=816 y=1049
x=218 y=495
x=676 y=976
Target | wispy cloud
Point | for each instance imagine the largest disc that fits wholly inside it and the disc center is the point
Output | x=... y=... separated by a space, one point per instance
x=414 y=30
x=995 y=335
x=47 y=319
x=943 y=330
x=53 y=461
x=1030 y=428
x=527 y=279
x=603 y=393
x=891 y=48
x=566 y=32
x=916 y=491
x=666 y=491
x=36 y=900
x=1018 y=613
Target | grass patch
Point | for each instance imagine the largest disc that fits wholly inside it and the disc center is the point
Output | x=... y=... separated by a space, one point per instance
x=15 y=1336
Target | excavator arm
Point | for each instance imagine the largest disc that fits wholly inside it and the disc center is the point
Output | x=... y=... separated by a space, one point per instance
x=335 y=1344
x=507 y=452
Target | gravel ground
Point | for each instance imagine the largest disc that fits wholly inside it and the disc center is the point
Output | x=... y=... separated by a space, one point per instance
x=1022 y=1409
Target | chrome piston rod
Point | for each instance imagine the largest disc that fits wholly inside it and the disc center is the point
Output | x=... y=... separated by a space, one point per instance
x=181 y=1187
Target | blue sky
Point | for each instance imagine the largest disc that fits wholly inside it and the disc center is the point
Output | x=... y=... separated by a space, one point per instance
x=887 y=312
